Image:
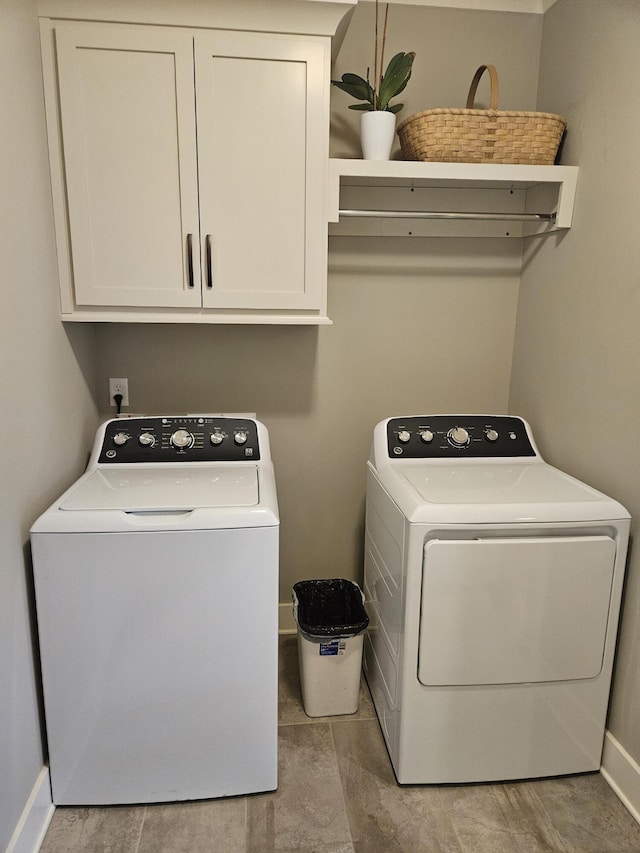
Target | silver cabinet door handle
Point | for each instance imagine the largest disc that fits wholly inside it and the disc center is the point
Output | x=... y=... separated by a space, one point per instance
x=208 y=262
x=190 y=260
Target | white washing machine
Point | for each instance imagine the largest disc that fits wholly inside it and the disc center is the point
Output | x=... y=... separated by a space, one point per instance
x=156 y=579
x=493 y=584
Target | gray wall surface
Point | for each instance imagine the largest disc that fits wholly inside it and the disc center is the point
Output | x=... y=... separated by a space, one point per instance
x=47 y=393
x=419 y=325
x=406 y=338
x=449 y=45
x=577 y=349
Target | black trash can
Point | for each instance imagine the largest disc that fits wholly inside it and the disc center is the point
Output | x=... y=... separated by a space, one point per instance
x=330 y=617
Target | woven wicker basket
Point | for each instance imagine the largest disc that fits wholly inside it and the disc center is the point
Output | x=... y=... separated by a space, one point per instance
x=482 y=136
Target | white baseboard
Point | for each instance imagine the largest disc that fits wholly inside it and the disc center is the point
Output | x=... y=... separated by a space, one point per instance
x=286 y=622
x=622 y=773
x=35 y=818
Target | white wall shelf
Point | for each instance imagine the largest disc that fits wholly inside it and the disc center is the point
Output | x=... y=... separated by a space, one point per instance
x=400 y=198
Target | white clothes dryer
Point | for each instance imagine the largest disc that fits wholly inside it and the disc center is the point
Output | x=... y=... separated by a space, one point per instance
x=493 y=584
x=156 y=580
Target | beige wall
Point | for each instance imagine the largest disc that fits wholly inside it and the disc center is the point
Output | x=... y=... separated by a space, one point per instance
x=449 y=45
x=422 y=325
x=406 y=338
x=577 y=350
x=419 y=325
x=46 y=387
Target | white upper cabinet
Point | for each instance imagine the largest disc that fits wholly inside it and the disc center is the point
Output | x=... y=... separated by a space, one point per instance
x=189 y=172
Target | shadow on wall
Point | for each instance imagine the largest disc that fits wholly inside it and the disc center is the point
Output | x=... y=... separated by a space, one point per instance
x=534 y=247
x=345 y=135
x=193 y=368
x=82 y=342
x=430 y=259
x=35 y=646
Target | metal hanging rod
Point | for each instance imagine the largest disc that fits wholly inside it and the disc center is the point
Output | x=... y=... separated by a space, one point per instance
x=423 y=214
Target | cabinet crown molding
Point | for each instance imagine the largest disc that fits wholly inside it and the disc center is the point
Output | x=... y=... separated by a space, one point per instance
x=303 y=17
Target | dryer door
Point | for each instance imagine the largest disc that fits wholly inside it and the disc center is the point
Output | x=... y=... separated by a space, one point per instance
x=517 y=610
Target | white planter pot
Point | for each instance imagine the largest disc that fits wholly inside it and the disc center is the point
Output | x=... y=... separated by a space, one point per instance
x=377 y=130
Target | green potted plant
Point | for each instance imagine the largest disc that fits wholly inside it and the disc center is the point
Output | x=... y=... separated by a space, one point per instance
x=378 y=114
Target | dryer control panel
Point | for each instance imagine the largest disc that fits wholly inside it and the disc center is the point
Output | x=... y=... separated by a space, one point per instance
x=456 y=436
x=204 y=438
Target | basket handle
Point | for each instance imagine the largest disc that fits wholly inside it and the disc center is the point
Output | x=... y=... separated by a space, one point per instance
x=471 y=97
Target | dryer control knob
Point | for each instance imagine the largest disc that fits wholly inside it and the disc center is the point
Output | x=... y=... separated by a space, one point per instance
x=146 y=439
x=182 y=438
x=240 y=437
x=426 y=435
x=491 y=435
x=404 y=436
x=216 y=437
x=458 y=437
x=120 y=439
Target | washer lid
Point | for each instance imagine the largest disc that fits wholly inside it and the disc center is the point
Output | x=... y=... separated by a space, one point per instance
x=144 y=488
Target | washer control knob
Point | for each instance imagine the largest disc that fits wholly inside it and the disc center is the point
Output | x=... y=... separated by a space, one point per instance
x=491 y=435
x=146 y=439
x=182 y=438
x=458 y=437
x=240 y=437
x=216 y=437
x=426 y=435
x=120 y=439
x=404 y=436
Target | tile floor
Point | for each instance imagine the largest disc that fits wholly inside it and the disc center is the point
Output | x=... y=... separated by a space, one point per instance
x=337 y=794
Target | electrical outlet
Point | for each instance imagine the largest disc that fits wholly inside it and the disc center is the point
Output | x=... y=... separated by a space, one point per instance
x=119 y=386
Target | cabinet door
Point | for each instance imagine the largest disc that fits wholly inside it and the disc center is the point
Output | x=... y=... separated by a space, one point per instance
x=262 y=157
x=128 y=129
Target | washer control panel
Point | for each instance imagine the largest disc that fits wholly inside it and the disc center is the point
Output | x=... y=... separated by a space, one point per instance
x=456 y=436
x=204 y=438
